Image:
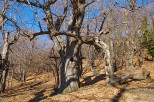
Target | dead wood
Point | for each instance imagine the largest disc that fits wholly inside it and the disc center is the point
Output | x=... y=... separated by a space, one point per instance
x=135 y=75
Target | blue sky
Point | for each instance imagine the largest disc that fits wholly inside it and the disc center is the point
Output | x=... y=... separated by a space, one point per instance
x=30 y=18
x=30 y=22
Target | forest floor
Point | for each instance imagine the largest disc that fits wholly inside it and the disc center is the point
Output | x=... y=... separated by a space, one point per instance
x=93 y=89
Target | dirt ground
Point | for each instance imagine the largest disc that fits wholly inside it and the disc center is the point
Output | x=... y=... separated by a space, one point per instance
x=93 y=89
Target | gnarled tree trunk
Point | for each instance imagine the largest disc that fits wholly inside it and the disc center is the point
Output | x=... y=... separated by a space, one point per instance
x=70 y=69
x=107 y=60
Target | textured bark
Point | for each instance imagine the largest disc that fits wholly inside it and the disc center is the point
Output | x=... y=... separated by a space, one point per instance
x=70 y=69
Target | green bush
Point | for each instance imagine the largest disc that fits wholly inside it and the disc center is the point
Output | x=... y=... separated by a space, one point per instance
x=148 y=41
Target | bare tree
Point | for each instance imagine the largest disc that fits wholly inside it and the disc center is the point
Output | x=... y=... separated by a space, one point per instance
x=70 y=47
x=70 y=51
x=6 y=44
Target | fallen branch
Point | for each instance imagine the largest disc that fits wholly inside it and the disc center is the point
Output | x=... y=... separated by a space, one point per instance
x=135 y=75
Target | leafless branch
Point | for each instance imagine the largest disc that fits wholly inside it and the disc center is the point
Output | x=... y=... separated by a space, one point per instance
x=89 y=3
x=35 y=15
x=50 y=2
x=16 y=37
x=29 y=36
x=60 y=20
x=105 y=16
x=36 y=34
x=31 y=3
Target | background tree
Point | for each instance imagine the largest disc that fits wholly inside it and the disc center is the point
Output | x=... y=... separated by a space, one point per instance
x=6 y=43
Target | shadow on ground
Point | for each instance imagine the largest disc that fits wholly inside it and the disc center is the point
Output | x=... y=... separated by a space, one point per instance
x=117 y=97
x=147 y=91
x=38 y=96
x=22 y=89
x=88 y=80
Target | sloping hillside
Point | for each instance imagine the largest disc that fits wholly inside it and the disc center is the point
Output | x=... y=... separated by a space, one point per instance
x=93 y=89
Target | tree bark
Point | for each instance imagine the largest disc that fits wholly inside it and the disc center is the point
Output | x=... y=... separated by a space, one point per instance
x=3 y=80
x=107 y=60
x=113 y=57
x=92 y=60
x=4 y=67
x=57 y=74
x=70 y=69
x=130 y=54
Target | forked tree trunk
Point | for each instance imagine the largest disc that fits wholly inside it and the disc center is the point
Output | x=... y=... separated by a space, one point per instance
x=70 y=69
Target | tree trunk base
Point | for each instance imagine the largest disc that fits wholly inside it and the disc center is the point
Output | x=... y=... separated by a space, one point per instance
x=3 y=80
